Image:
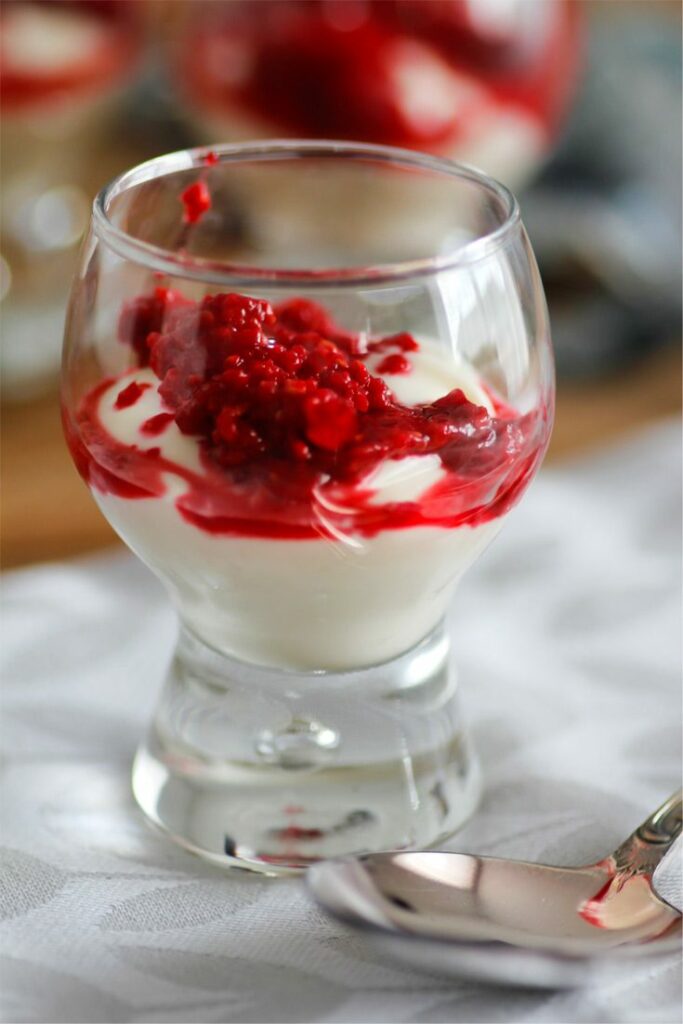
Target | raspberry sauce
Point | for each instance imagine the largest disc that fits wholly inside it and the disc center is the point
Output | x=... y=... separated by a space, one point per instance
x=290 y=423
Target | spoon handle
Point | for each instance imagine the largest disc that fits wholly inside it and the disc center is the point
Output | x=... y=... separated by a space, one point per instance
x=647 y=846
x=664 y=826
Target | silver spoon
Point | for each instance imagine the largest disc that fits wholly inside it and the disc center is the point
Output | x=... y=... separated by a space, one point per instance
x=511 y=921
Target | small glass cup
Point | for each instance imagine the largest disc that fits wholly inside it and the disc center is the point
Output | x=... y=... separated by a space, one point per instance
x=307 y=402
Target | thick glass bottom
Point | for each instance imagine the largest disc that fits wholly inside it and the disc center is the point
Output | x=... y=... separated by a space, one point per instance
x=271 y=771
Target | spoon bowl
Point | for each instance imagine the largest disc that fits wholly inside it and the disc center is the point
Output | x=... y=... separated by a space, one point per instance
x=511 y=921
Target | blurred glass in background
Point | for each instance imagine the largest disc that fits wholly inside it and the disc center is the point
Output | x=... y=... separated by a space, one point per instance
x=63 y=66
x=483 y=81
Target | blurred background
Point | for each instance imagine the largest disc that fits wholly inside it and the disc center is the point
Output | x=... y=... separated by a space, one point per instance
x=576 y=105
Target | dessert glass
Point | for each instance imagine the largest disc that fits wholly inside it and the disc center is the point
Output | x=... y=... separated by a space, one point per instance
x=475 y=80
x=308 y=428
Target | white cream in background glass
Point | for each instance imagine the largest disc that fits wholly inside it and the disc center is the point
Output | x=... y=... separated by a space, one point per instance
x=307 y=402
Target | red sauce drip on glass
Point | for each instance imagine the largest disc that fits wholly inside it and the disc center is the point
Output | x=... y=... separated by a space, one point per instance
x=196 y=200
x=290 y=422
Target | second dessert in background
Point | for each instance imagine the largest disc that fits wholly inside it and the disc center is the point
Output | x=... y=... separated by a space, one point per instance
x=475 y=80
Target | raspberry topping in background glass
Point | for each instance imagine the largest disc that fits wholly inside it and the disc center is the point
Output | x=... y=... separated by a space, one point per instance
x=439 y=75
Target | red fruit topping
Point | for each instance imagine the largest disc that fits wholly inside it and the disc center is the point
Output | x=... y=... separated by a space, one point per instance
x=330 y=421
x=156 y=424
x=301 y=315
x=395 y=364
x=197 y=200
x=130 y=395
x=149 y=313
x=290 y=423
x=404 y=342
x=266 y=389
x=210 y=158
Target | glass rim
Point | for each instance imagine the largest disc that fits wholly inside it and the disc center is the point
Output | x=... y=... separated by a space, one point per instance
x=211 y=271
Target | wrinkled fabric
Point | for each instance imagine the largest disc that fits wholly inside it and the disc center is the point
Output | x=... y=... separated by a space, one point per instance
x=575 y=709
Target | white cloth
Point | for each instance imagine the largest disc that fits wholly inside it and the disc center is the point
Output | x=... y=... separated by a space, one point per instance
x=568 y=642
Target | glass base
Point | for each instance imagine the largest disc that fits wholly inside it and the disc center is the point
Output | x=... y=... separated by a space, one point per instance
x=271 y=771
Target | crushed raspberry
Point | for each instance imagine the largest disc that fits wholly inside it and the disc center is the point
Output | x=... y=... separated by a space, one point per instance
x=395 y=363
x=331 y=421
x=147 y=314
x=156 y=424
x=283 y=392
x=130 y=395
x=290 y=423
x=210 y=158
x=196 y=200
x=264 y=386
